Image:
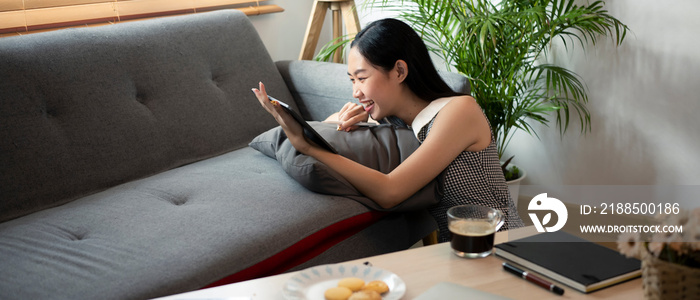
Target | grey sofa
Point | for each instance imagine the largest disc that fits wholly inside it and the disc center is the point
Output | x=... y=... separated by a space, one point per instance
x=125 y=171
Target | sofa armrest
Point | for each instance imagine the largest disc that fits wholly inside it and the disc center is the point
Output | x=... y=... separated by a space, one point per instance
x=321 y=88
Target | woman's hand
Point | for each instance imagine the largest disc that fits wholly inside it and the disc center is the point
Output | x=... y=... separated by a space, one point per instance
x=350 y=114
x=294 y=131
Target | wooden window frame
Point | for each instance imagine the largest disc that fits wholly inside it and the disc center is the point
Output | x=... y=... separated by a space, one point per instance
x=19 y=17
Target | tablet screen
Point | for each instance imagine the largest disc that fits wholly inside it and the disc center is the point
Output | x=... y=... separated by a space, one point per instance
x=309 y=131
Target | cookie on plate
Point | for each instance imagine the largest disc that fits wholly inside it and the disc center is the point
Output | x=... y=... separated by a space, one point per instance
x=337 y=293
x=353 y=283
x=365 y=295
x=377 y=286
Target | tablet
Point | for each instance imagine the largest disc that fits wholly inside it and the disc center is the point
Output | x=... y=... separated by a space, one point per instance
x=309 y=131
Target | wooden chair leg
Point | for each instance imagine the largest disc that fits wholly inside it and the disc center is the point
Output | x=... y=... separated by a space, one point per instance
x=352 y=21
x=313 y=29
x=343 y=10
x=431 y=239
x=337 y=28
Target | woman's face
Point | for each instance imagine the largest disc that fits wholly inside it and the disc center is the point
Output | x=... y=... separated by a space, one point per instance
x=371 y=86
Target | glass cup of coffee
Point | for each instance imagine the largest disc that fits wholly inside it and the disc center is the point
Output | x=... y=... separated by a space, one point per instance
x=472 y=229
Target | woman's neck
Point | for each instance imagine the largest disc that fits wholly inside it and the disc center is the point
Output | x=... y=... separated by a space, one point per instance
x=411 y=107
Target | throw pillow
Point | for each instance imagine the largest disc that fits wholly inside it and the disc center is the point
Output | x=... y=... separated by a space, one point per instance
x=381 y=148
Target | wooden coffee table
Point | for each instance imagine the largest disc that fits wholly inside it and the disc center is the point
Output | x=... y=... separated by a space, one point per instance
x=423 y=267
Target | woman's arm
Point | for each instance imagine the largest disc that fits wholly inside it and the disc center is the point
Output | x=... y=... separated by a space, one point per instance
x=459 y=126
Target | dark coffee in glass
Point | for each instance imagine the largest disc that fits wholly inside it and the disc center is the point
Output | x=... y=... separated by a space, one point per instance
x=471 y=237
x=472 y=229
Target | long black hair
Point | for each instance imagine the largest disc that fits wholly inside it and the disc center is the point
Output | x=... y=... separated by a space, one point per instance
x=385 y=41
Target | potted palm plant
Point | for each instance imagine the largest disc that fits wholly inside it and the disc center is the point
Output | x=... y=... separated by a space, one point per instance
x=502 y=47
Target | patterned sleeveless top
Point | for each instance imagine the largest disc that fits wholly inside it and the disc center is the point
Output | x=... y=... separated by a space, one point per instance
x=473 y=178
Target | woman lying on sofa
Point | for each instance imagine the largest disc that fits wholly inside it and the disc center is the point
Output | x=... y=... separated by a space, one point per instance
x=394 y=79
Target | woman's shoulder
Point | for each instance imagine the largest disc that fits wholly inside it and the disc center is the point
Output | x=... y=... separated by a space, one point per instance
x=465 y=101
x=448 y=113
x=462 y=119
x=459 y=107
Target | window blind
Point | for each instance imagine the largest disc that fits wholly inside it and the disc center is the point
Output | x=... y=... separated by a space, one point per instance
x=24 y=16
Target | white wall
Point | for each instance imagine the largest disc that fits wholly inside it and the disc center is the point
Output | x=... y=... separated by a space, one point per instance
x=644 y=97
x=644 y=101
x=283 y=33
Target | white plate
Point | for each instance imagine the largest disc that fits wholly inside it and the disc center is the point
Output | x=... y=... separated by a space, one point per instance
x=310 y=284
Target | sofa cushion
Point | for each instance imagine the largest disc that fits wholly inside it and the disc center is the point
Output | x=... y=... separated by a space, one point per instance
x=89 y=108
x=177 y=231
x=381 y=148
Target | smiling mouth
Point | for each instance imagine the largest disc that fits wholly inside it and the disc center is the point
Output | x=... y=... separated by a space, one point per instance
x=368 y=105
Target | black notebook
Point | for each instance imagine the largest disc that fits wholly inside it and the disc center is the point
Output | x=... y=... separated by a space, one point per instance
x=580 y=264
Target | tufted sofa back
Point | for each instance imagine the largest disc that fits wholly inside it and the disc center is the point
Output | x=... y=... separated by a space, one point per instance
x=85 y=109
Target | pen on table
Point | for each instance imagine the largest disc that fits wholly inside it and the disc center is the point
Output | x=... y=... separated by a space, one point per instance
x=534 y=279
